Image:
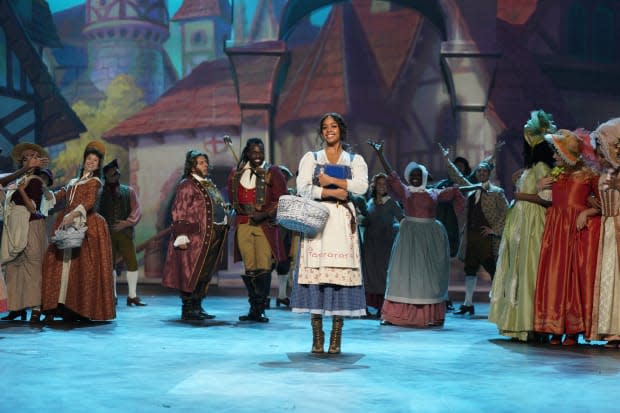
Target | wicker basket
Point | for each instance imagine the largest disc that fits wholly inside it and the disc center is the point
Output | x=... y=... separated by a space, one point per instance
x=69 y=238
x=301 y=214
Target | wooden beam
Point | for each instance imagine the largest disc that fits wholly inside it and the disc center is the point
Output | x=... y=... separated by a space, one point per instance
x=16 y=94
x=17 y=136
x=28 y=107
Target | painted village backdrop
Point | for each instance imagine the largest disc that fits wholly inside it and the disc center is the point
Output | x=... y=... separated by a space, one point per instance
x=154 y=78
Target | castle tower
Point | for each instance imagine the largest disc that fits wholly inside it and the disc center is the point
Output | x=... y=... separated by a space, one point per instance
x=126 y=37
x=205 y=26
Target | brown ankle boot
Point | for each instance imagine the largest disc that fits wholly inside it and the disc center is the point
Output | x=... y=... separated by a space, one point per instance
x=336 y=335
x=318 y=336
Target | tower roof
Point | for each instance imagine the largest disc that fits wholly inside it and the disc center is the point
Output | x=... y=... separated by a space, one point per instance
x=192 y=9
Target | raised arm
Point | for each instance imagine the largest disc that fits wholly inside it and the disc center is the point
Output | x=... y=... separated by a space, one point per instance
x=378 y=147
x=33 y=162
x=453 y=172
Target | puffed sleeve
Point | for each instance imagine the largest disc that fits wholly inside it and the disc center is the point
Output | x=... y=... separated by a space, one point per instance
x=396 y=186
x=453 y=194
x=305 y=188
x=358 y=184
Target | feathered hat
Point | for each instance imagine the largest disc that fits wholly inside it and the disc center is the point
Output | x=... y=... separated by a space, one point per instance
x=539 y=124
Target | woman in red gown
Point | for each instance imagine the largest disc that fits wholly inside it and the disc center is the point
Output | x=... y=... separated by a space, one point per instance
x=567 y=266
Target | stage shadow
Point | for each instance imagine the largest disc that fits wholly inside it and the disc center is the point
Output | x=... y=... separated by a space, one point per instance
x=63 y=325
x=198 y=323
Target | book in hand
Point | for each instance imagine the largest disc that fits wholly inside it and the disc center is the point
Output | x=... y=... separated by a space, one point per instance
x=335 y=171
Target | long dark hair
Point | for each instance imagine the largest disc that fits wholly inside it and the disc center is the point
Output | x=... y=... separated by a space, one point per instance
x=99 y=171
x=341 y=125
x=539 y=153
x=191 y=160
x=245 y=157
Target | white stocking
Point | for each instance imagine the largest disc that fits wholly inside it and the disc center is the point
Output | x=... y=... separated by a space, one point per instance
x=114 y=282
x=132 y=283
x=470 y=287
x=282 y=282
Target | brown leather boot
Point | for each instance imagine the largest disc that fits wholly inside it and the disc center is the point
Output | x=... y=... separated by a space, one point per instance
x=336 y=335
x=318 y=336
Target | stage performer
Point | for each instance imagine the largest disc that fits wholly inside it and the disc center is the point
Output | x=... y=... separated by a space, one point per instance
x=485 y=213
x=329 y=276
x=199 y=230
x=121 y=209
x=24 y=239
x=512 y=292
x=569 y=250
x=77 y=282
x=254 y=188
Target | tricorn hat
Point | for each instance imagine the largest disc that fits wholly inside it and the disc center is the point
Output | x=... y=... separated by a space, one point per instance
x=49 y=175
x=112 y=164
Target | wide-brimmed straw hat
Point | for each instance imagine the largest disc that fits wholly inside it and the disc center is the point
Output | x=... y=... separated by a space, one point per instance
x=20 y=148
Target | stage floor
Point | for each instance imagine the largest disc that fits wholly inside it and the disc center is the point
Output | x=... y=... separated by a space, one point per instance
x=147 y=360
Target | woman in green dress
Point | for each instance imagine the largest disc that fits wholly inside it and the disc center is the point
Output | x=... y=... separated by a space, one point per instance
x=512 y=292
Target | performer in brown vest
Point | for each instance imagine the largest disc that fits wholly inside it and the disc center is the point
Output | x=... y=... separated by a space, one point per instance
x=254 y=188
x=120 y=207
x=199 y=229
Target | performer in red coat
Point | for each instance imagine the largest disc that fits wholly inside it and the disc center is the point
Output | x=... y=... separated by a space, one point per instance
x=199 y=229
x=254 y=188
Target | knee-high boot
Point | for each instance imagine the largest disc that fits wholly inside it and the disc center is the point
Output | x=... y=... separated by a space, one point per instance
x=188 y=311
x=247 y=281
x=318 y=336
x=266 y=287
x=261 y=287
x=336 y=335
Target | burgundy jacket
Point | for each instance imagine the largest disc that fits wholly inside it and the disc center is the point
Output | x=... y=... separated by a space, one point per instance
x=270 y=185
x=192 y=215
